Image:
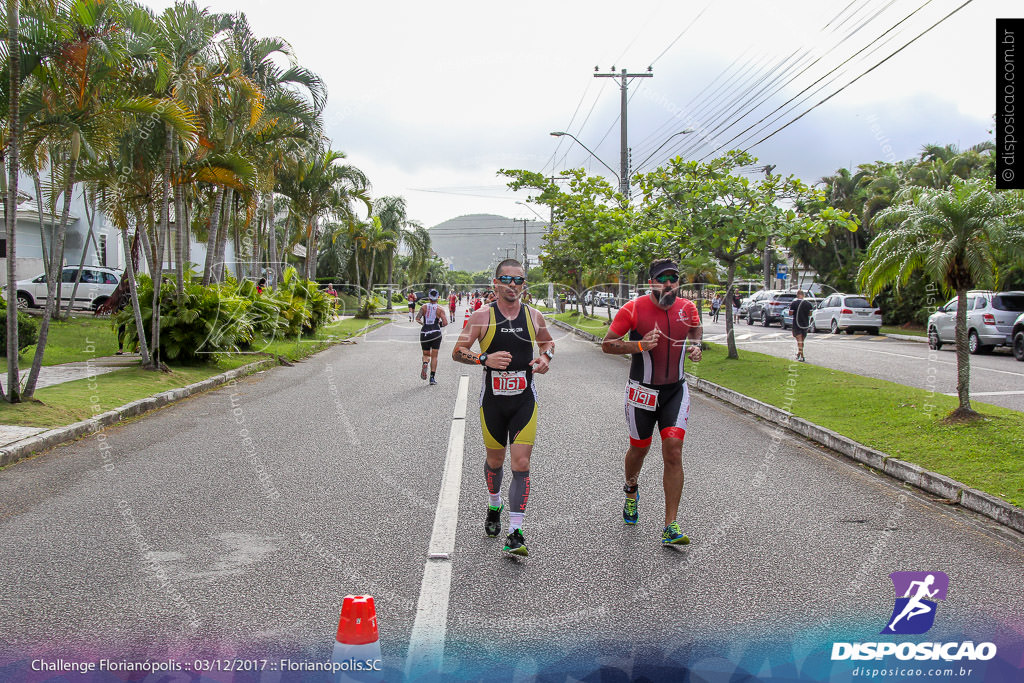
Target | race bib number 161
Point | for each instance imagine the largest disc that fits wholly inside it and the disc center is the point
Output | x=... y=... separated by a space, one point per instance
x=508 y=383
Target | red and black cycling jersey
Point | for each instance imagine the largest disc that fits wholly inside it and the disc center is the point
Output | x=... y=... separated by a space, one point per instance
x=664 y=363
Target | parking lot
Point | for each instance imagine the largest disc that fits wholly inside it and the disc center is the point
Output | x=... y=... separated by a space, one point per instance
x=997 y=378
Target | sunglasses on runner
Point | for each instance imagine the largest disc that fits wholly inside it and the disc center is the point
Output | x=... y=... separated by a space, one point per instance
x=509 y=279
x=668 y=277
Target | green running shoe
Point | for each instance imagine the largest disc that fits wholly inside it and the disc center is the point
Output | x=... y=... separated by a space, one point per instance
x=629 y=513
x=673 y=535
x=492 y=526
x=515 y=544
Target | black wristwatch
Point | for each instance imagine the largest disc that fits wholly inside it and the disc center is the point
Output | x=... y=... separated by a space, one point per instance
x=483 y=359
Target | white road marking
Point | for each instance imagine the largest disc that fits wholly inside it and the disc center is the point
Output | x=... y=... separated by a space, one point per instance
x=426 y=645
x=991 y=393
x=838 y=339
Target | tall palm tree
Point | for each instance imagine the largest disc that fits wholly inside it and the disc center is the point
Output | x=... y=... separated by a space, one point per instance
x=85 y=97
x=950 y=234
x=392 y=214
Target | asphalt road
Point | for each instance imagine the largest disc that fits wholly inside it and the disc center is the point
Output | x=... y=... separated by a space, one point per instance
x=997 y=378
x=233 y=523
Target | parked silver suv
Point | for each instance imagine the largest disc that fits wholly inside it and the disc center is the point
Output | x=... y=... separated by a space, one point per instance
x=990 y=319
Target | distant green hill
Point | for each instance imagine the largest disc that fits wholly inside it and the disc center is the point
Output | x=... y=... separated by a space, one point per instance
x=475 y=242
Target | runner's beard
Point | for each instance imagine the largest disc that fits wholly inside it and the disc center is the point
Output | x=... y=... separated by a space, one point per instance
x=667 y=297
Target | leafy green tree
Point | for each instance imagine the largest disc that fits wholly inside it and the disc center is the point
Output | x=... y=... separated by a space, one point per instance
x=717 y=211
x=951 y=234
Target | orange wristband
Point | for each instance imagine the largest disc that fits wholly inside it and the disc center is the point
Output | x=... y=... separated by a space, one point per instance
x=639 y=347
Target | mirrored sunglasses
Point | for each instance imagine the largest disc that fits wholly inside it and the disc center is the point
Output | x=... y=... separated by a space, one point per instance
x=668 y=277
x=510 y=279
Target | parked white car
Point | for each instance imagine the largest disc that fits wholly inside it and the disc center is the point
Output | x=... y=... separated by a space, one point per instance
x=96 y=286
x=850 y=312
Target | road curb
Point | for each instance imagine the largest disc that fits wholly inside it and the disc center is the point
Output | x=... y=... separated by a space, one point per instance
x=906 y=337
x=19 y=450
x=950 y=490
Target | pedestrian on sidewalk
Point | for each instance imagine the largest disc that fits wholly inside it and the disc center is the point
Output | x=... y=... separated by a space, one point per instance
x=660 y=330
x=507 y=331
x=801 y=310
x=716 y=305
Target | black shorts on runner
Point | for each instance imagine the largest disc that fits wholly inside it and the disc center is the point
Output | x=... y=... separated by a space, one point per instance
x=505 y=417
x=671 y=410
x=799 y=331
x=431 y=339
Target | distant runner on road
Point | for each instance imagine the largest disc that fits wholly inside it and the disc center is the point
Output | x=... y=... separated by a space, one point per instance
x=432 y=319
x=662 y=330
x=411 y=298
x=452 y=300
x=507 y=331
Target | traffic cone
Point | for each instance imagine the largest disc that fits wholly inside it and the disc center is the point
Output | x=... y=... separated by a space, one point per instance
x=356 y=655
x=465 y=321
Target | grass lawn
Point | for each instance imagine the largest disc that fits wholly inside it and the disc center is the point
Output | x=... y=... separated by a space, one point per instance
x=78 y=339
x=893 y=418
x=70 y=402
x=595 y=326
x=912 y=331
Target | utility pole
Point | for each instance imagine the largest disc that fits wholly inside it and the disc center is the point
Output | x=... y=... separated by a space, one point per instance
x=623 y=80
x=766 y=258
x=526 y=267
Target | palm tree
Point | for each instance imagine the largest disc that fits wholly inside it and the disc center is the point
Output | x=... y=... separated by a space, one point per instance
x=950 y=234
x=392 y=214
x=13 y=147
x=84 y=100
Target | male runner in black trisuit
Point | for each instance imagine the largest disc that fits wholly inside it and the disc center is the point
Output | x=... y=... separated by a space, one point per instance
x=507 y=331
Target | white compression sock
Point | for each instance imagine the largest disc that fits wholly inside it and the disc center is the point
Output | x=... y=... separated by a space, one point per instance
x=495 y=500
x=515 y=520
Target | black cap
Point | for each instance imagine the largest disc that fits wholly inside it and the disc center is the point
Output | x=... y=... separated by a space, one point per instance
x=662 y=265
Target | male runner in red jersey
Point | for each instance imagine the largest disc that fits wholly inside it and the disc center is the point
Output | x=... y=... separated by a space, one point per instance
x=662 y=330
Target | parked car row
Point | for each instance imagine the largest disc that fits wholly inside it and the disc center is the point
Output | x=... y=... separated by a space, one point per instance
x=835 y=313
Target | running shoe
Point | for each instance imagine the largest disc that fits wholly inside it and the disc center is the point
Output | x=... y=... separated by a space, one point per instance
x=492 y=526
x=629 y=513
x=423 y=372
x=673 y=535
x=433 y=381
x=515 y=544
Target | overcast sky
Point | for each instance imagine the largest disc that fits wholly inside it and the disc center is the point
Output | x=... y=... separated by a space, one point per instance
x=431 y=99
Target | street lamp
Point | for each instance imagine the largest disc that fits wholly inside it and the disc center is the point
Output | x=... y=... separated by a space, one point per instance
x=559 y=134
x=682 y=132
x=532 y=209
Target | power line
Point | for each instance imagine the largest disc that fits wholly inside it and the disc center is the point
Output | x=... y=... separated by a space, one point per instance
x=837 y=67
x=689 y=147
x=893 y=54
x=681 y=34
x=723 y=113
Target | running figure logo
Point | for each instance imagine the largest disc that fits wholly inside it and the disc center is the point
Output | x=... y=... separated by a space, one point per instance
x=916 y=593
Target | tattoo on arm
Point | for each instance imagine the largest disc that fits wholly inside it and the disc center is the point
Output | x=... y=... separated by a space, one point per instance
x=464 y=355
x=620 y=346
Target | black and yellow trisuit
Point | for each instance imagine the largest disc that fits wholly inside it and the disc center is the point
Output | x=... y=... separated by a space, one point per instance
x=508 y=400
